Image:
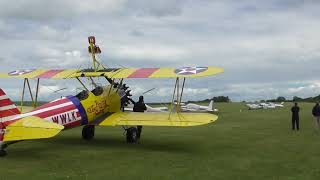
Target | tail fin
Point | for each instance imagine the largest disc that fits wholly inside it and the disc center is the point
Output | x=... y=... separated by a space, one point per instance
x=211 y=105
x=7 y=107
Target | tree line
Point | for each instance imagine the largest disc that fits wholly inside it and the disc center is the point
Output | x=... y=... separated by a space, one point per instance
x=294 y=99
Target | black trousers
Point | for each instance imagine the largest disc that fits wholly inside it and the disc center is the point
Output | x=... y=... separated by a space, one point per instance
x=139 y=130
x=295 y=123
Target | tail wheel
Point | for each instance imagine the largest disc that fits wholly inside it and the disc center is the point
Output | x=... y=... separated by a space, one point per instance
x=132 y=135
x=88 y=132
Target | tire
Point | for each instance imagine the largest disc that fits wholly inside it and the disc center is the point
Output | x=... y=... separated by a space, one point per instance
x=132 y=135
x=3 y=153
x=88 y=132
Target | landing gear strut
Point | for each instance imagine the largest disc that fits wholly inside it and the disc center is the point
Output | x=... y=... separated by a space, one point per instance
x=88 y=132
x=133 y=134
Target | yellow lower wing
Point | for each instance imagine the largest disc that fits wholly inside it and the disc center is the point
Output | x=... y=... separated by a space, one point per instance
x=31 y=128
x=157 y=119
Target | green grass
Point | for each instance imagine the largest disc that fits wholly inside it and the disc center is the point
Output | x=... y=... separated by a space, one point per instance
x=240 y=145
x=25 y=108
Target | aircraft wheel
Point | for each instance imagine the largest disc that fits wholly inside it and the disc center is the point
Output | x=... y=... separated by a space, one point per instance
x=88 y=132
x=132 y=135
x=3 y=153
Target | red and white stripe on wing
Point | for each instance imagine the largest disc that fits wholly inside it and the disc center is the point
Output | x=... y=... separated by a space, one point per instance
x=7 y=108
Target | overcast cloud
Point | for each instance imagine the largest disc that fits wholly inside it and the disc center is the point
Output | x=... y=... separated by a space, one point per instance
x=268 y=48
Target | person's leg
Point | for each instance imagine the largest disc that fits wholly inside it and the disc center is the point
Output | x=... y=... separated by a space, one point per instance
x=293 y=124
x=139 y=131
x=318 y=122
x=297 y=124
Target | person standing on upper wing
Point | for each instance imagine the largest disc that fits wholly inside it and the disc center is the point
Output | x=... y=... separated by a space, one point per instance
x=295 y=116
x=316 y=114
x=139 y=107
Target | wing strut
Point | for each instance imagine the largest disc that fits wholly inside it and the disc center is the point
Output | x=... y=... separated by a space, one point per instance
x=34 y=100
x=82 y=84
x=177 y=96
x=183 y=83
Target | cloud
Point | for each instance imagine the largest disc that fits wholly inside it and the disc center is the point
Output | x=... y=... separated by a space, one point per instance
x=38 y=10
x=66 y=10
x=136 y=33
x=151 y=52
x=157 y=8
x=267 y=48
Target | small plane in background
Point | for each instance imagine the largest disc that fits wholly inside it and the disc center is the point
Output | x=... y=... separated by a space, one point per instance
x=101 y=106
x=268 y=105
x=190 y=107
x=279 y=105
x=199 y=108
x=149 y=108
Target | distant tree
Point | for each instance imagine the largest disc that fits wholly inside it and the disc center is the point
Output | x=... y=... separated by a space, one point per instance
x=316 y=99
x=281 y=99
x=221 y=99
x=296 y=98
x=271 y=100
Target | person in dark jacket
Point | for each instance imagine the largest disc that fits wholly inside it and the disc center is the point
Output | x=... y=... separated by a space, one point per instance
x=316 y=114
x=139 y=107
x=295 y=116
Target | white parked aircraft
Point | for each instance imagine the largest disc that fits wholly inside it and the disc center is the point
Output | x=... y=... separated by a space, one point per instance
x=254 y=106
x=279 y=105
x=268 y=105
x=149 y=108
x=184 y=108
x=199 y=108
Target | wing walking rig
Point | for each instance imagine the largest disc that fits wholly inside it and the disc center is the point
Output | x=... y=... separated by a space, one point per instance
x=102 y=106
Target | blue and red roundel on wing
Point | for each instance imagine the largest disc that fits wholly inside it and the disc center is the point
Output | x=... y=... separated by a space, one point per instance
x=20 y=72
x=190 y=70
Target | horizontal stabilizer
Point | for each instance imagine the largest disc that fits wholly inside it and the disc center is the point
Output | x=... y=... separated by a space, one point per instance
x=157 y=119
x=31 y=127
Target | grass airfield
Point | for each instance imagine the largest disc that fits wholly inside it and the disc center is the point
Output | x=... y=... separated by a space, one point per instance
x=242 y=144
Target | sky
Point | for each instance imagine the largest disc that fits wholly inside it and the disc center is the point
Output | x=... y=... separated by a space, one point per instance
x=267 y=48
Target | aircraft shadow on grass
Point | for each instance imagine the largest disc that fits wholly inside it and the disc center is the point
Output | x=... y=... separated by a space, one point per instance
x=42 y=148
x=115 y=143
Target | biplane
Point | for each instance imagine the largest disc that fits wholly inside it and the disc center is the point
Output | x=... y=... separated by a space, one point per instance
x=100 y=106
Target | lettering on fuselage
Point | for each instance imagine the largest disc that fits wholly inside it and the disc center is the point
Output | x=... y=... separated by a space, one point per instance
x=98 y=107
x=65 y=118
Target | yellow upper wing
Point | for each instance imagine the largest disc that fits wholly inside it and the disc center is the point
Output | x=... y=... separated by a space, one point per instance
x=31 y=128
x=156 y=119
x=189 y=72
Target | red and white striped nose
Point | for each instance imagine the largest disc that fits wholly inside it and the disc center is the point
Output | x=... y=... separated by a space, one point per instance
x=7 y=108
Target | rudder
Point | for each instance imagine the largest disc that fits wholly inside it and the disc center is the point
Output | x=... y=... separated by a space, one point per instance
x=211 y=105
x=7 y=107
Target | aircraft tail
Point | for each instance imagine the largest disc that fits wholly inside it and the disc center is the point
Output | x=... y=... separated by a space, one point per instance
x=7 y=107
x=211 y=105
